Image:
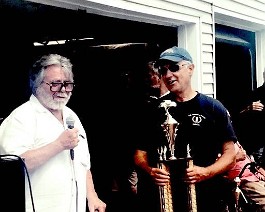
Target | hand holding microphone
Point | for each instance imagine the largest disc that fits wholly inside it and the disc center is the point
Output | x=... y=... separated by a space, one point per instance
x=70 y=125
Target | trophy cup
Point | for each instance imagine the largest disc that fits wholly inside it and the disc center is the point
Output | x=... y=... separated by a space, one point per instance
x=176 y=195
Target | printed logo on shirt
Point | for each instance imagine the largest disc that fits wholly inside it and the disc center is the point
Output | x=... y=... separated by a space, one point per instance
x=196 y=119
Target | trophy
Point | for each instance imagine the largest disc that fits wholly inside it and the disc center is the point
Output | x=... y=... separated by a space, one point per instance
x=176 y=195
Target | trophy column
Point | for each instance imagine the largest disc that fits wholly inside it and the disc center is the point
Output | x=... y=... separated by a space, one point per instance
x=192 y=203
x=165 y=192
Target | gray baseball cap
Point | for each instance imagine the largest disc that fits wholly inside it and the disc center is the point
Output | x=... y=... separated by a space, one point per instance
x=175 y=54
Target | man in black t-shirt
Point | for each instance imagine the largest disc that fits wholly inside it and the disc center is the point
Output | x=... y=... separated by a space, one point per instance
x=203 y=130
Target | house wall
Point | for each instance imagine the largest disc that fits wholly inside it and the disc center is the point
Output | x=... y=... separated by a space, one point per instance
x=195 y=19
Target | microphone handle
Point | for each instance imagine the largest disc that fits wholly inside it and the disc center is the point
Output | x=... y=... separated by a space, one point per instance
x=72 y=153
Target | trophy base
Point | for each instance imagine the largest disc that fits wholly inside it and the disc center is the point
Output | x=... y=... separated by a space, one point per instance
x=180 y=193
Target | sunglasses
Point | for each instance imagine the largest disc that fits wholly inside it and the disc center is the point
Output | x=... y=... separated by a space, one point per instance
x=173 y=67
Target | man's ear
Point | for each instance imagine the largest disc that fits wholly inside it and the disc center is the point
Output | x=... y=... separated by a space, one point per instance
x=191 y=69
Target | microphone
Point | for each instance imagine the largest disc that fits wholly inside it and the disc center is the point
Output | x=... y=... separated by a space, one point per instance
x=70 y=125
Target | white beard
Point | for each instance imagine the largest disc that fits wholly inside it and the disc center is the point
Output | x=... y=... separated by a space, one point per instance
x=52 y=101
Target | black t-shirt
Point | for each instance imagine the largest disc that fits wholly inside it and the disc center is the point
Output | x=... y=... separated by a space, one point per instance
x=203 y=123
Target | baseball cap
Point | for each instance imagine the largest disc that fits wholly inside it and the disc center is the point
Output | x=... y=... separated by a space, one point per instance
x=175 y=54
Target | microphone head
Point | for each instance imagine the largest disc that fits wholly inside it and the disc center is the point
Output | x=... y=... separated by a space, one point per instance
x=70 y=122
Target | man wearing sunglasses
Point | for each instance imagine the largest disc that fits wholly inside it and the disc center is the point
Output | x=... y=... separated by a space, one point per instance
x=203 y=129
x=45 y=133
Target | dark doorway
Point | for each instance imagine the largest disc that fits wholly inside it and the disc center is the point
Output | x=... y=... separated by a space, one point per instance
x=18 y=51
x=233 y=76
x=235 y=67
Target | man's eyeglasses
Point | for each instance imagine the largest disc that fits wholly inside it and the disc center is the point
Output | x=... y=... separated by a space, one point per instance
x=57 y=86
x=173 y=67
